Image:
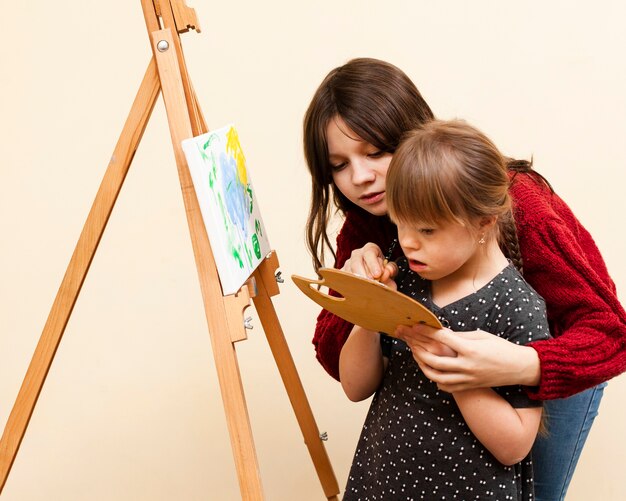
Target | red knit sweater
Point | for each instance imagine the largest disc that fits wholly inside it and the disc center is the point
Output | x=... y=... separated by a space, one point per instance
x=561 y=262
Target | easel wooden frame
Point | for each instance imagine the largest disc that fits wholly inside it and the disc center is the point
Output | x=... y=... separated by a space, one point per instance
x=167 y=72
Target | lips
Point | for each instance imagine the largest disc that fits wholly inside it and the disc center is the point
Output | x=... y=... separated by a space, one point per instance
x=372 y=198
x=416 y=265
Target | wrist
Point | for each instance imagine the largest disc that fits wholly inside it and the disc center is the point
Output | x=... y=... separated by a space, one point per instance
x=530 y=366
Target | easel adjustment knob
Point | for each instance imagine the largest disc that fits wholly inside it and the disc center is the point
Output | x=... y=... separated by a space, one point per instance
x=247 y=323
x=324 y=436
x=279 y=277
x=163 y=45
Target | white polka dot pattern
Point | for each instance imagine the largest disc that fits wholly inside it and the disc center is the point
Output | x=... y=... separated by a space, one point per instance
x=415 y=444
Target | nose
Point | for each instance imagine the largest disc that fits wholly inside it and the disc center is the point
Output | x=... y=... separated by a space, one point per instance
x=407 y=240
x=362 y=173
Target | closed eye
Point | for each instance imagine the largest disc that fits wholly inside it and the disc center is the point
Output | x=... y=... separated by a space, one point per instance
x=427 y=231
x=377 y=154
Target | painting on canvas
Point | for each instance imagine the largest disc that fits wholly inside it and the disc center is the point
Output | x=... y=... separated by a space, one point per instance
x=228 y=204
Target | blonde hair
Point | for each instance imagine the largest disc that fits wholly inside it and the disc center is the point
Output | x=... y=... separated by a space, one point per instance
x=448 y=171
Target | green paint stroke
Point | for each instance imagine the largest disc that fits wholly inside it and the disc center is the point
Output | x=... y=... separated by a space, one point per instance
x=256 y=246
x=250 y=197
x=248 y=254
x=236 y=256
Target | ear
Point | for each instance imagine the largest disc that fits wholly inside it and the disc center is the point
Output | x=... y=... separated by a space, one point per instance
x=487 y=222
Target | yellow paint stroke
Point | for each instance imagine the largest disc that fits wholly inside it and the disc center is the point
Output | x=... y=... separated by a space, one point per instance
x=234 y=148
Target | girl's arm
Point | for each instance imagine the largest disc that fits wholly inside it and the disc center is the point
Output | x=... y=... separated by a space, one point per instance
x=507 y=432
x=358 y=230
x=331 y=331
x=336 y=329
x=361 y=364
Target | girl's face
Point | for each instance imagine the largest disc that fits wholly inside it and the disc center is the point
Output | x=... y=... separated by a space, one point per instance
x=449 y=249
x=359 y=169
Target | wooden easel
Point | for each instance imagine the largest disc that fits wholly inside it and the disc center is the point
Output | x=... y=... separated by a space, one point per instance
x=167 y=72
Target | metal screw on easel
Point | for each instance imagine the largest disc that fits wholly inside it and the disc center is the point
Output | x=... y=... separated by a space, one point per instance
x=279 y=277
x=247 y=323
x=163 y=45
x=324 y=436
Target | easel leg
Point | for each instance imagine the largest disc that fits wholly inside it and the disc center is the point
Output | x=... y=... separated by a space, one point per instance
x=224 y=351
x=291 y=379
x=77 y=270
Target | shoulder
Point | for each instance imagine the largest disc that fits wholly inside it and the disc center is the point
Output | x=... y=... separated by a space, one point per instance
x=536 y=204
x=548 y=229
x=514 y=284
x=522 y=311
x=530 y=196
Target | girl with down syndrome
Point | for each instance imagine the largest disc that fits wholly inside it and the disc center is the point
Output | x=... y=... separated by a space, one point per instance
x=447 y=192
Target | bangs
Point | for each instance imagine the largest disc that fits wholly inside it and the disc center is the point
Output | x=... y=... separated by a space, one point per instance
x=419 y=190
x=371 y=125
x=446 y=172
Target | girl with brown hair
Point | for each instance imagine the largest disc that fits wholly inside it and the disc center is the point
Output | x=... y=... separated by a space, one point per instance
x=352 y=127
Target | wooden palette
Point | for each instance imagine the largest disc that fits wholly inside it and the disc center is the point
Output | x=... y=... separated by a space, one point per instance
x=365 y=302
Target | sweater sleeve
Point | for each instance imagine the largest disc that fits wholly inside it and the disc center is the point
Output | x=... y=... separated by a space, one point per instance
x=587 y=321
x=332 y=331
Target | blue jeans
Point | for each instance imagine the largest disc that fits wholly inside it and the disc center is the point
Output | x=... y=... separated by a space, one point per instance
x=556 y=454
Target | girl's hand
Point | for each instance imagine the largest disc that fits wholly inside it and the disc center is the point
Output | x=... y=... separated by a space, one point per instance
x=390 y=271
x=368 y=262
x=482 y=359
x=418 y=339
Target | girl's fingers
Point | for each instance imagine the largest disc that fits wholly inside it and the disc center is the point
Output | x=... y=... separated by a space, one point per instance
x=444 y=380
x=366 y=261
x=461 y=342
x=390 y=270
x=373 y=260
x=389 y=283
x=406 y=333
x=443 y=364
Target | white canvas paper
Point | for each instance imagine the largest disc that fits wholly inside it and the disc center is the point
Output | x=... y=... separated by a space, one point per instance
x=228 y=204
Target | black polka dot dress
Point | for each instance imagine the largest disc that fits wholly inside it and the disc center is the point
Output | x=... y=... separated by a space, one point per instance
x=415 y=444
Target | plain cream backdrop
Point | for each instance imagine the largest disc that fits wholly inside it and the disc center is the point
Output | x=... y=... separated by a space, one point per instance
x=131 y=409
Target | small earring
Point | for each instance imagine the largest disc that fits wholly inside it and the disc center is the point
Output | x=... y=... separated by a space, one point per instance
x=482 y=239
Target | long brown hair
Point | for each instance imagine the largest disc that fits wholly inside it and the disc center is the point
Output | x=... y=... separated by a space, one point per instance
x=378 y=102
x=451 y=171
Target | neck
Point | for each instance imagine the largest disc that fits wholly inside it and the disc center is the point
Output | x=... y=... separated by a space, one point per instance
x=478 y=271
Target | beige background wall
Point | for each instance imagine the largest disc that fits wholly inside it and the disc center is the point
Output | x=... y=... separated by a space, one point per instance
x=131 y=409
